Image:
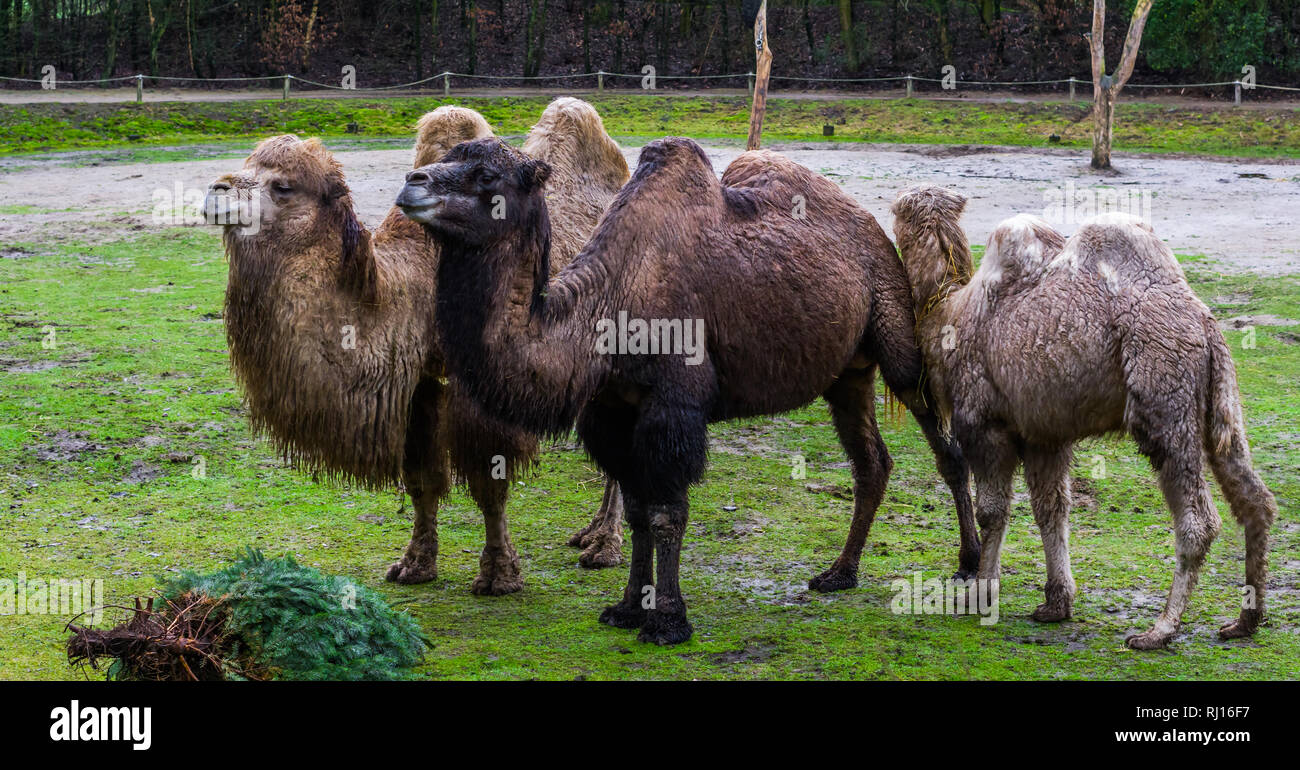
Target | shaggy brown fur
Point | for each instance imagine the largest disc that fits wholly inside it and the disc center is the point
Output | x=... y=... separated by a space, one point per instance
x=794 y=305
x=332 y=337
x=1052 y=341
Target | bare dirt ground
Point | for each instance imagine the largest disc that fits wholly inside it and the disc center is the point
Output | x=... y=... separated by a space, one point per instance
x=1243 y=214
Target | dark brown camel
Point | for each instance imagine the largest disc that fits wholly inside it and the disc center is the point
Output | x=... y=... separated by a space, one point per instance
x=798 y=292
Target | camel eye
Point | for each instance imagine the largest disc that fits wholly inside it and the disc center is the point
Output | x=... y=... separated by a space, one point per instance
x=487 y=177
x=282 y=188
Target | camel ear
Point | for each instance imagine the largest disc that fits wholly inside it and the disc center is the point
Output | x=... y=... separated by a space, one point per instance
x=534 y=173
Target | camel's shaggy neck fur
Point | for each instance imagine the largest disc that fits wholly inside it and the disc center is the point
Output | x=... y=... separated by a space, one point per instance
x=322 y=277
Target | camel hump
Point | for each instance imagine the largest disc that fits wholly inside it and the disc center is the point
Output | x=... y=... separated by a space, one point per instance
x=444 y=128
x=1020 y=247
x=570 y=135
x=1125 y=244
x=570 y=115
x=675 y=161
x=767 y=169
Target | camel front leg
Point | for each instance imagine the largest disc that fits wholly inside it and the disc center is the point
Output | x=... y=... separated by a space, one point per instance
x=631 y=611
x=994 y=461
x=499 y=571
x=420 y=562
x=427 y=475
x=1047 y=472
x=665 y=622
x=602 y=539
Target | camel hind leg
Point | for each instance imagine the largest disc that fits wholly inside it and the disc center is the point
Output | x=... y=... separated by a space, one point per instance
x=853 y=410
x=602 y=539
x=1047 y=473
x=1254 y=507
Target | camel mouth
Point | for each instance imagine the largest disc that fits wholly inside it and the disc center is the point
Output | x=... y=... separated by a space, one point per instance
x=223 y=209
x=421 y=206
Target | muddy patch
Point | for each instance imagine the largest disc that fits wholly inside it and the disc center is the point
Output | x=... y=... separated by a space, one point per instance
x=65 y=446
x=753 y=652
x=142 y=472
x=1260 y=319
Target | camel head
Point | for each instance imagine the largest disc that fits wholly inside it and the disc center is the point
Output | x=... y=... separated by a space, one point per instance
x=290 y=198
x=480 y=191
x=287 y=191
x=933 y=245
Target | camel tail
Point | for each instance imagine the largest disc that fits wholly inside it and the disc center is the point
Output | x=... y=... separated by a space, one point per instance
x=1224 y=423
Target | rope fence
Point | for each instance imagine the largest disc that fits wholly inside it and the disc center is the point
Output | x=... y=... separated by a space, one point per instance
x=909 y=81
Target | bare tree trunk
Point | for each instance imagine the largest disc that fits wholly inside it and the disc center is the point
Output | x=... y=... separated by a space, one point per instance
x=945 y=35
x=808 y=30
x=8 y=49
x=534 y=37
x=434 y=36
x=469 y=20
x=618 y=39
x=417 y=41
x=846 y=35
x=1105 y=88
x=762 y=72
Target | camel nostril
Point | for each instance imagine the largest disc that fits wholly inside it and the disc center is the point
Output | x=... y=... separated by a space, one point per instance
x=418 y=177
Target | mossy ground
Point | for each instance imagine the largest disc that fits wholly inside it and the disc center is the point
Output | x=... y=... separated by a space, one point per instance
x=97 y=437
x=143 y=131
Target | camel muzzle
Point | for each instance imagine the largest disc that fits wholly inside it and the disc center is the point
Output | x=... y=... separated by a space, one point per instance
x=419 y=204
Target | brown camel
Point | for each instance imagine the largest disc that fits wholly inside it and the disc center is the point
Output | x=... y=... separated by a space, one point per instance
x=749 y=297
x=1052 y=341
x=331 y=333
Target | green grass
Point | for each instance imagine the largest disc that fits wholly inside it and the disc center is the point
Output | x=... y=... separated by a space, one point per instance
x=140 y=373
x=145 y=128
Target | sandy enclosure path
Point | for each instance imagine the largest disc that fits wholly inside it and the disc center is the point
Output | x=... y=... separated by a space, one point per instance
x=1244 y=214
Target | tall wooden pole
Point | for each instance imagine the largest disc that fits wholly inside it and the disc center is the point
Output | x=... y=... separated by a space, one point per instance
x=761 y=75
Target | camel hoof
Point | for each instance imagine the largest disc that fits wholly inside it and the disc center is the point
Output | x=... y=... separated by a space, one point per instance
x=663 y=629
x=833 y=580
x=1151 y=640
x=603 y=552
x=498 y=573
x=1239 y=629
x=411 y=572
x=1051 y=612
x=623 y=615
x=485 y=585
x=581 y=538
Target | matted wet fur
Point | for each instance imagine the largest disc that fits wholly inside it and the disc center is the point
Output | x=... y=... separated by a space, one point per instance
x=1052 y=341
x=332 y=338
x=799 y=291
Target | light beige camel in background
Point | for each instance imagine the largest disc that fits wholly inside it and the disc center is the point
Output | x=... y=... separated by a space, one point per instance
x=1052 y=341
